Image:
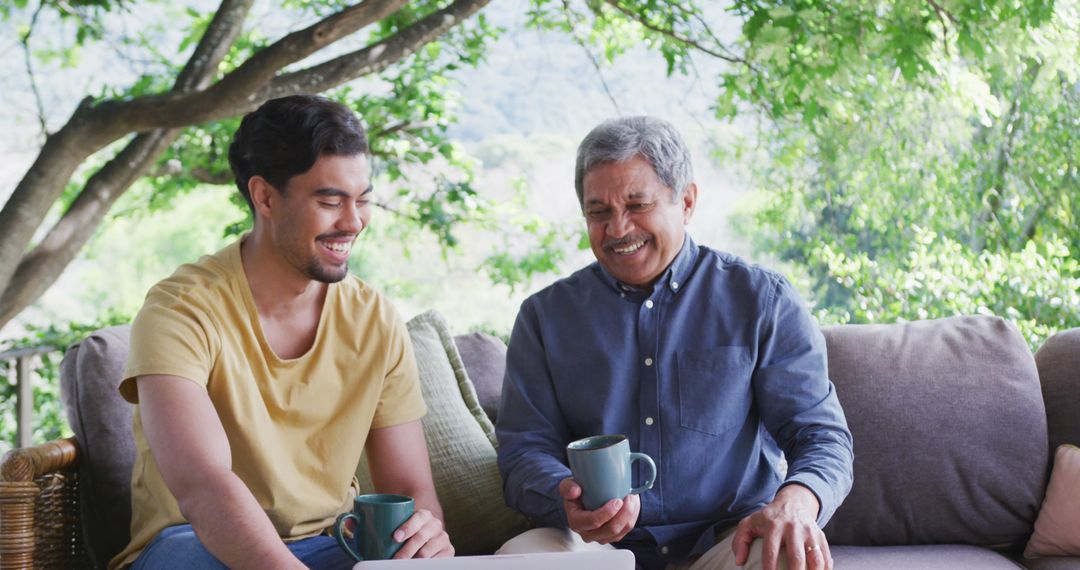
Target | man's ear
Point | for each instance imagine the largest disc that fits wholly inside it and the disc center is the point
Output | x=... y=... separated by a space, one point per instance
x=263 y=196
x=689 y=200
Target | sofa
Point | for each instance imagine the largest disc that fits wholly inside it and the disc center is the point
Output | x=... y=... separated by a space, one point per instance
x=955 y=424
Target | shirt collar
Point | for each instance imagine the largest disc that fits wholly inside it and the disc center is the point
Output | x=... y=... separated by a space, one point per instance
x=673 y=277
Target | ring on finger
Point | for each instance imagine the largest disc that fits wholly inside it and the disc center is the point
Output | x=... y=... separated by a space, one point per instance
x=811 y=548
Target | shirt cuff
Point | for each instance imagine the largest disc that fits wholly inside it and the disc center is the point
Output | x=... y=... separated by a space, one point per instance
x=538 y=496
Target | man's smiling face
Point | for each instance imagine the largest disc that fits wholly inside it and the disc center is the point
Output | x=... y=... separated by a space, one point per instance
x=635 y=229
x=324 y=209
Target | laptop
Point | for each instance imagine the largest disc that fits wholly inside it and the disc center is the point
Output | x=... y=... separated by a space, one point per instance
x=591 y=560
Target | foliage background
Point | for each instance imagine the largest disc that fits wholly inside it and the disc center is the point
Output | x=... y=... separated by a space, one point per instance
x=898 y=160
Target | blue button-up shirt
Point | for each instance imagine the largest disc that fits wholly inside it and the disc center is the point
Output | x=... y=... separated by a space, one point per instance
x=711 y=373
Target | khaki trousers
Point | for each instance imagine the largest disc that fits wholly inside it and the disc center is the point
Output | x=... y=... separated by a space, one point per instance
x=719 y=557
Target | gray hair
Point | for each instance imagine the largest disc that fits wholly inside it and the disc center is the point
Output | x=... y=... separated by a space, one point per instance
x=619 y=140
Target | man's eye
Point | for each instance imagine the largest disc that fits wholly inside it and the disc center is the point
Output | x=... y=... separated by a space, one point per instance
x=641 y=207
x=597 y=214
x=330 y=204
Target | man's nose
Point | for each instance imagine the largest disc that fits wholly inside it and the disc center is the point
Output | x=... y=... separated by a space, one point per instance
x=350 y=219
x=620 y=224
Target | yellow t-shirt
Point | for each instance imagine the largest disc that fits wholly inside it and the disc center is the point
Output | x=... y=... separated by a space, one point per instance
x=296 y=427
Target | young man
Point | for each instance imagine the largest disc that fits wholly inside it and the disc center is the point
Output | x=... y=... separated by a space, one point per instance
x=709 y=365
x=263 y=371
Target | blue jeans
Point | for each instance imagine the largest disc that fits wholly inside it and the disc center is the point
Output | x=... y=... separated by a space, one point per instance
x=178 y=547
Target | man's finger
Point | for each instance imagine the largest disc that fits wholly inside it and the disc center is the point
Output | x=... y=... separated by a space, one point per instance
x=569 y=489
x=601 y=516
x=432 y=548
x=740 y=544
x=770 y=550
x=826 y=552
x=412 y=546
x=416 y=532
x=815 y=559
x=412 y=526
x=584 y=522
x=622 y=523
x=796 y=545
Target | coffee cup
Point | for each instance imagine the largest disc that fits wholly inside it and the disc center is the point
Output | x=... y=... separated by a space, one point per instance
x=601 y=465
x=375 y=518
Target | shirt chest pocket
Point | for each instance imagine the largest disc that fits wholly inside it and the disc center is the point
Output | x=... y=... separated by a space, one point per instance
x=714 y=388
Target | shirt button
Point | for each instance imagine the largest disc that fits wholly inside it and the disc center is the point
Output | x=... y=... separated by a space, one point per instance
x=674 y=284
x=649 y=421
x=648 y=362
x=648 y=304
x=623 y=295
x=663 y=550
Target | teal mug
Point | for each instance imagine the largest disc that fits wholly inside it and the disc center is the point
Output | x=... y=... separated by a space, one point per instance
x=375 y=519
x=602 y=466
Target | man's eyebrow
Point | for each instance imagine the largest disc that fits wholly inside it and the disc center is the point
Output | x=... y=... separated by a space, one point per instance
x=633 y=195
x=334 y=192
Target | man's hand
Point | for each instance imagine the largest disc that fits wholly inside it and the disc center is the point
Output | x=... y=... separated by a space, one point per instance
x=610 y=523
x=424 y=537
x=790 y=520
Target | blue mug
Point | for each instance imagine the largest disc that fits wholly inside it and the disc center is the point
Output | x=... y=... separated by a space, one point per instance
x=375 y=518
x=601 y=465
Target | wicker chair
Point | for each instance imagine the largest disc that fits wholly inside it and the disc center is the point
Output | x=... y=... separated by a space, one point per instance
x=40 y=523
x=66 y=503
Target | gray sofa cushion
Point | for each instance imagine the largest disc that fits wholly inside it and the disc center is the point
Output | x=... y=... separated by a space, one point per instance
x=1058 y=360
x=485 y=360
x=943 y=557
x=949 y=429
x=461 y=445
x=101 y=419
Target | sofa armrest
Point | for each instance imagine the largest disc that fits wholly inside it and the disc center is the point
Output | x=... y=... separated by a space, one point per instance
x=39 y=508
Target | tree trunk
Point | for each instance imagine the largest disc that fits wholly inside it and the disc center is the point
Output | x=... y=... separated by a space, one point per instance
x=43 y=265
x=25 y=275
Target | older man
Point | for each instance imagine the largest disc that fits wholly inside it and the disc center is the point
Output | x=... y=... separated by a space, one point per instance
x=708 y=364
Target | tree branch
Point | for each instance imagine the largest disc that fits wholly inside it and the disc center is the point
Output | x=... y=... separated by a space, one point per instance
x=25 y=41
x=214 y=45
x=716 y=40
x=387 y=207
x=395 y=128
x=673 y=34
x=1011 y=127
x=92 y=128
x=373 y=58
x=173 y=168
x=942 y=14
x=41 y=186
x=574 y=33
x=237 y=91
x=42 y=265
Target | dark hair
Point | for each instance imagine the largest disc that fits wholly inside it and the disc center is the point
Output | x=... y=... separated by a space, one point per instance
x=284 y=137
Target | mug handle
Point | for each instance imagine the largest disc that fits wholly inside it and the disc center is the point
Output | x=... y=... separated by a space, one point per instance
x=652 y=475
x=340 y=536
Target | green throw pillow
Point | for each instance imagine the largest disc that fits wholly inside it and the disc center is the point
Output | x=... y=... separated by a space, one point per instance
x=461 y=444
